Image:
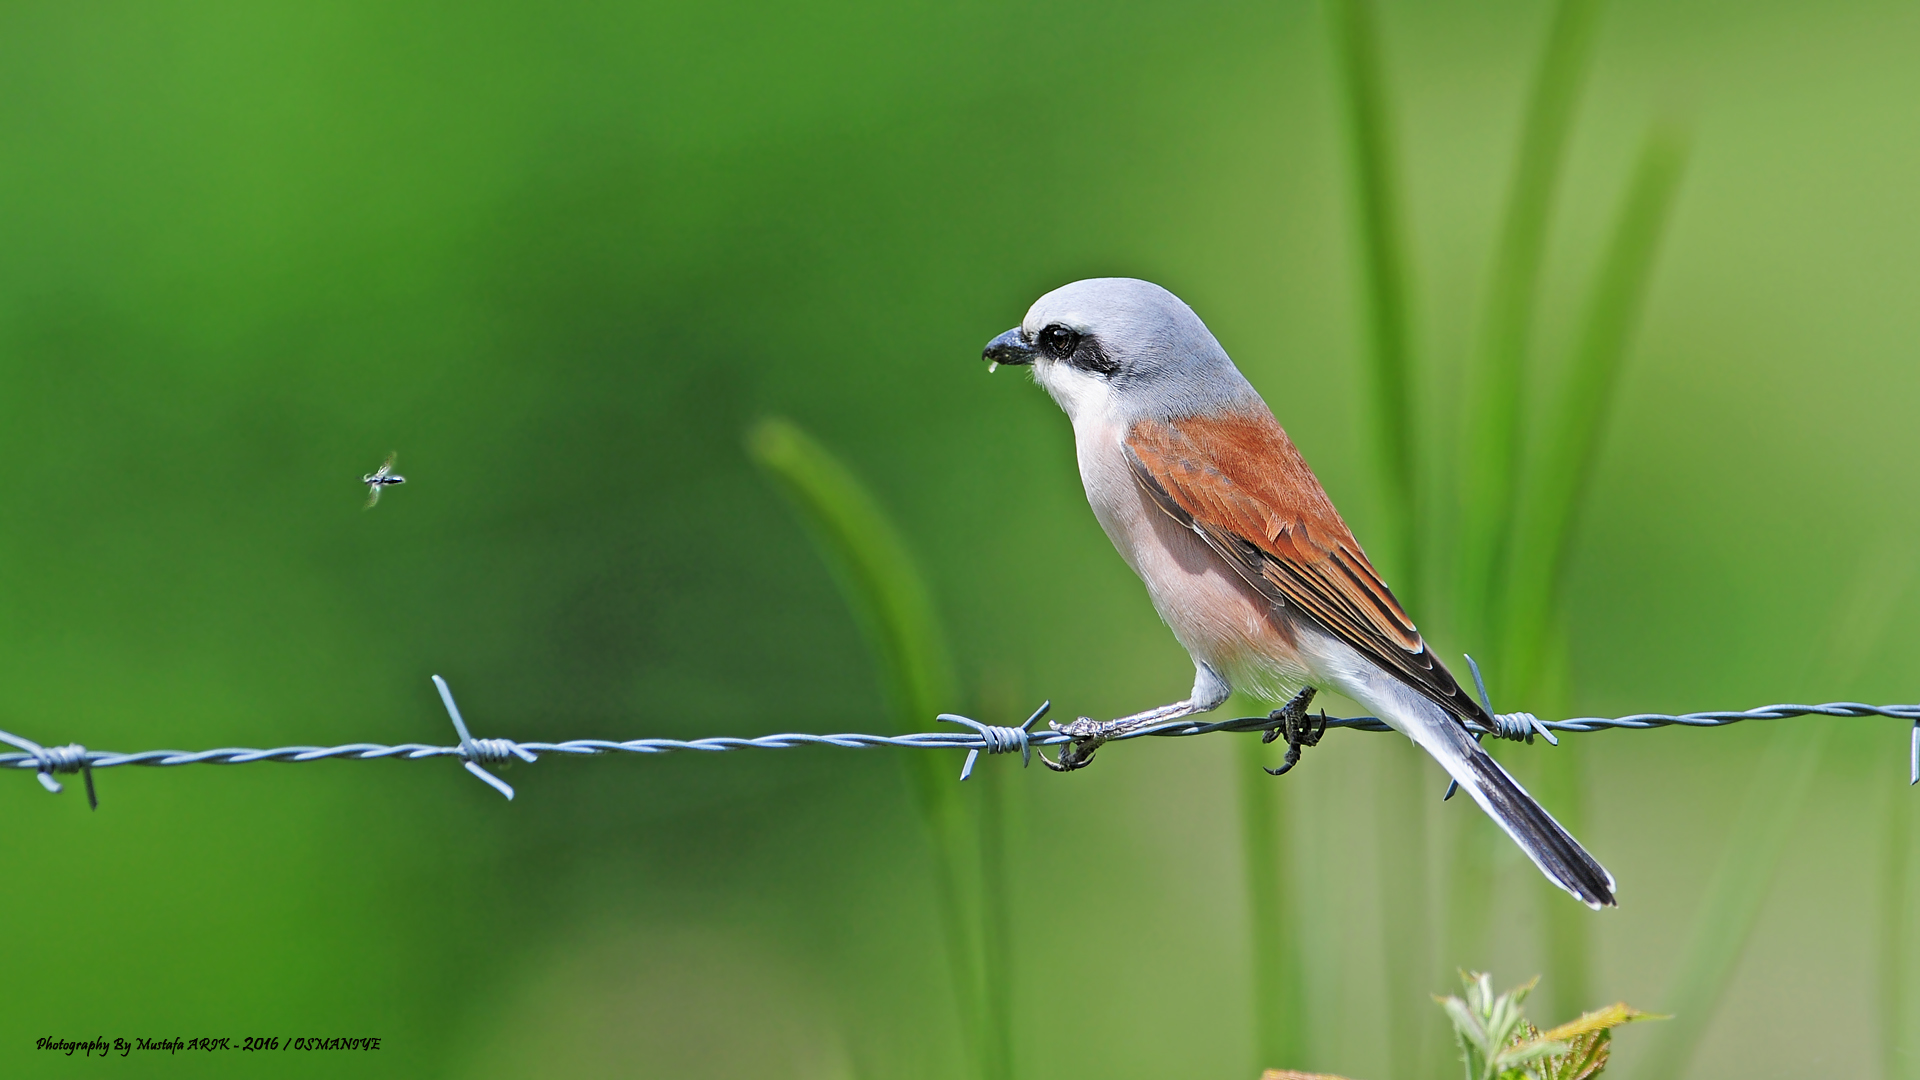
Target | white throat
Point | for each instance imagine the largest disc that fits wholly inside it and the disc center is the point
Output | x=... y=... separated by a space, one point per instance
x=1086 y=398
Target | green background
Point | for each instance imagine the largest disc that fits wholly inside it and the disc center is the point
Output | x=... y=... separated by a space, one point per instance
x=560 y=255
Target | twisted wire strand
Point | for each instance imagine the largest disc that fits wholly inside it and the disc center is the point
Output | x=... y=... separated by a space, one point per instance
x=981 y=738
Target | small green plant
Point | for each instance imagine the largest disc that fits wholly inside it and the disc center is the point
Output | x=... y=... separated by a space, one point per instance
x=1497 y=1043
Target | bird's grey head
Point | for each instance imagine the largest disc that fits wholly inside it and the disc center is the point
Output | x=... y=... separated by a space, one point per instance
x=1121 y=349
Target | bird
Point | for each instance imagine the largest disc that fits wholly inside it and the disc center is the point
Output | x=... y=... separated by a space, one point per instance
x=380 y=479
x=1242 y=552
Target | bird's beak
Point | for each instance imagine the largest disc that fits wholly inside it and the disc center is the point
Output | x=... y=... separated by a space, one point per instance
x=1009 y=348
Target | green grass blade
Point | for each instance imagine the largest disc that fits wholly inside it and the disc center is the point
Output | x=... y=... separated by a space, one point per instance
x=1555 y=489
x=1570 y=442
x=1392 y=417
x=1885 y=576
x=997 y=917
x=1561 y=787
x=1739 y=887
x=1403 y=799
x=1897 y=1059
x=869 y=559
x=1390 y=383
x=1557 y=780
x=1741 y=882
x=1279 y=978
x=890 y=599
x=1497 y=378
x=1467 y=935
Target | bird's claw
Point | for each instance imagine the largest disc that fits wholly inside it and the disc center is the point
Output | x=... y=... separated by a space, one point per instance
x=1301 y=730
x=1087 y=735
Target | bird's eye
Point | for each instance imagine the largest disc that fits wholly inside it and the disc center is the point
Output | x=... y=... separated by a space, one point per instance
x=1058 y=341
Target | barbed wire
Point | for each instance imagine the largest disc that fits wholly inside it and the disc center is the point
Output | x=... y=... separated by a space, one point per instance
x=474 y=754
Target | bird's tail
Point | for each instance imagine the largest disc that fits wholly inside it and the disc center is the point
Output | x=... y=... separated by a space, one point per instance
x=1552 y=848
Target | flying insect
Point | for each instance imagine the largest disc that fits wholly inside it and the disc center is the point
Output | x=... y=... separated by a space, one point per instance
x=380 y=479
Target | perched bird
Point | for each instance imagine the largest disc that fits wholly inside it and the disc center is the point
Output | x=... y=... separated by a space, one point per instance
x=1242 y=552
x=380 y=479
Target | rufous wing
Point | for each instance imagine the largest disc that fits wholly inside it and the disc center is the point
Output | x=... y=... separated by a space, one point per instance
x=1240 y=483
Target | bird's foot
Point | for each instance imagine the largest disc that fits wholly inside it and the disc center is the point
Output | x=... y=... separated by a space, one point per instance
x=1291 y=720
x=1087 y=734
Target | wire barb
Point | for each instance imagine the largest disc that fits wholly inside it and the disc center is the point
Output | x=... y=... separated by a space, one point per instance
x=1519 y=726
x=999 y=740
x=57 y=759
x=474 y=751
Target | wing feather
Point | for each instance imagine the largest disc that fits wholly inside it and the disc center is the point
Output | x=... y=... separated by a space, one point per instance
x=1240 y=483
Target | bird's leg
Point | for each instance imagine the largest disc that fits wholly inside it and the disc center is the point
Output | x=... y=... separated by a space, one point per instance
x=1089 y=733
x=1299 y=729
x=1209 y=691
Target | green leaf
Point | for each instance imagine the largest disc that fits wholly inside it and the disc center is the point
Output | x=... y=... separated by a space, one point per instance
x=1515 y=1058
x=1602 y=1020
x=1492 y=1030
x=1583 y=1044
x=1466 y=1026
x=1585 y=1056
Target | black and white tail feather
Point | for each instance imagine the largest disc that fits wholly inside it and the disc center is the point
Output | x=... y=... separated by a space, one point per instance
x=1552 y=848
